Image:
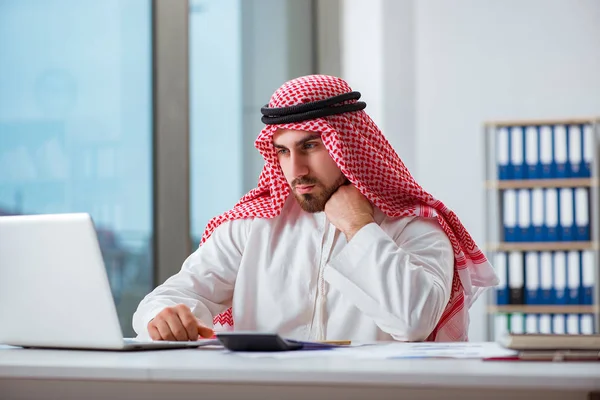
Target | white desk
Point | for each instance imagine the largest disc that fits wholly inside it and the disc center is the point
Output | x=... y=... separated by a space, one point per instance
x=212 y=374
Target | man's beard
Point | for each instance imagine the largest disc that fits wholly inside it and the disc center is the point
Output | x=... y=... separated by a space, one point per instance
x=315 y=202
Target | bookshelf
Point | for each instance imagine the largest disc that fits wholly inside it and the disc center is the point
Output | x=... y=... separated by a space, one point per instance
x=542 y=184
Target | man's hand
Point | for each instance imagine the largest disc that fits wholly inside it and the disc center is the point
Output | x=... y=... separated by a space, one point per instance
x=177 y=323
x=349 y=210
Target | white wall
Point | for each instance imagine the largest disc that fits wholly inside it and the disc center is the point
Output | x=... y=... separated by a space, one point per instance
x=489 y=60
x=473 y=60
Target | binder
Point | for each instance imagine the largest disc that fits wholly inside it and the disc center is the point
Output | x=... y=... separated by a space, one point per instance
x=517 y=323
x=545 y=323
x=516 y=282
x=500 y=264
x=588 y=151
x=509 y=215
x=532 y=153
x=525 y=229
x=517 y=152
x=503 y=155
x=537 y=214
x=575 y=150
x=582 y=215
x=560 y=277
x=573 y=277
x=531 y=323
x=546 y=158
x=560 y=151
x=558 y=324
x=567 y=220
x=546 y=278
x=587 y=324
x=587 y=277
x=500 y=326
x=573 y=324
x=532 y=278
x=551 y=214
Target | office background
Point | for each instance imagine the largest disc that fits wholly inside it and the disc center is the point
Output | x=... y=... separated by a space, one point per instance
x=144 y=113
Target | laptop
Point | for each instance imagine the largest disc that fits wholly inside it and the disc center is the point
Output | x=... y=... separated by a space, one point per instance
x=54 y=290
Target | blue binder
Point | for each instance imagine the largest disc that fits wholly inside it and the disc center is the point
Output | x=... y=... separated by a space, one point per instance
x=582 y=214
x=546 y=278
x=532 y=278
x=517 y=152
x=503 y=154
x=575 y=150
x=537 y=214
x=551 y=213
x=561 y=151
x=573 y=277
x=501 y=266
x=588 y=151
x=546 y=153
x=567 y=210
x=532 y=153
x=588 y=273
x=525 y=230
x=509 y=215
x=560 y=278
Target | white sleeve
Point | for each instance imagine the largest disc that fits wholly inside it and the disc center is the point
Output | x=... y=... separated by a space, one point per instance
x=204 y=283
x=403 y=284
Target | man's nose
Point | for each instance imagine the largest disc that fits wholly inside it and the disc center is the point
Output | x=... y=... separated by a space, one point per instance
x=299 y=166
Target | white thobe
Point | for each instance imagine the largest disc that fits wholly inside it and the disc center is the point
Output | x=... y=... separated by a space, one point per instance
x=298 y=276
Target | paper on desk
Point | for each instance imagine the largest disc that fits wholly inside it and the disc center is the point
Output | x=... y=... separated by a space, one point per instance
x=400 y=350
x=478 y=350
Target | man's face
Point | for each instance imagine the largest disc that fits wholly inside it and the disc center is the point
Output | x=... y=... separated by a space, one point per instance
x=308 y=168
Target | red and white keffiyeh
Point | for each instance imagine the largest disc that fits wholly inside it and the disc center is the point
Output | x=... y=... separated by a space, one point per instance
x=370 y=163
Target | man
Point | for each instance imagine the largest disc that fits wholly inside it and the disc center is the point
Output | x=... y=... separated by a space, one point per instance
x=359 y=251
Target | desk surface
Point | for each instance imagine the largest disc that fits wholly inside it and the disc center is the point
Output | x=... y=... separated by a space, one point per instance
x=205 y=365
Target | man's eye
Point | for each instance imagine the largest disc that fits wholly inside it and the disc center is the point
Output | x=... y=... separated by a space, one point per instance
x=309 y=145
x=281 y=151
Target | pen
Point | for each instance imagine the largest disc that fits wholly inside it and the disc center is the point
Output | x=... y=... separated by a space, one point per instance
x=340 y=342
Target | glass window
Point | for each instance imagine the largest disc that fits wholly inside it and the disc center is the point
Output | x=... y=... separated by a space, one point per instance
x=76 y=125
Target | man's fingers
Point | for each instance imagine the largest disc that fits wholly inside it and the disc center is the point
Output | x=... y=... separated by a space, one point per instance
x=205 y=332
x=190 y=324
x=164 y=330
x=176 y=326
x=153 y=332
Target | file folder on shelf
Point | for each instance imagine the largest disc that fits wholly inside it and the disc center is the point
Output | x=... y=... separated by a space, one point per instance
x=551 y=214
x=588 y=277
x=503 y=154
x=546 y=278
x=582 y=215
x=516 y=282
x=575 y=151
x=501 y=266
x=588 y=151
x=532 y=153
x=517 y=153
x=574 y=278
x=525 y=228
x=566 y=220
x=546 y=156
x=560 y=151
x=537 y=214
x=510 y=215
x=560 y=278
x=532 y=278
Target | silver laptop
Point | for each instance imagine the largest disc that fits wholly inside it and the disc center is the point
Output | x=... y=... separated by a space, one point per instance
x=54 y=290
